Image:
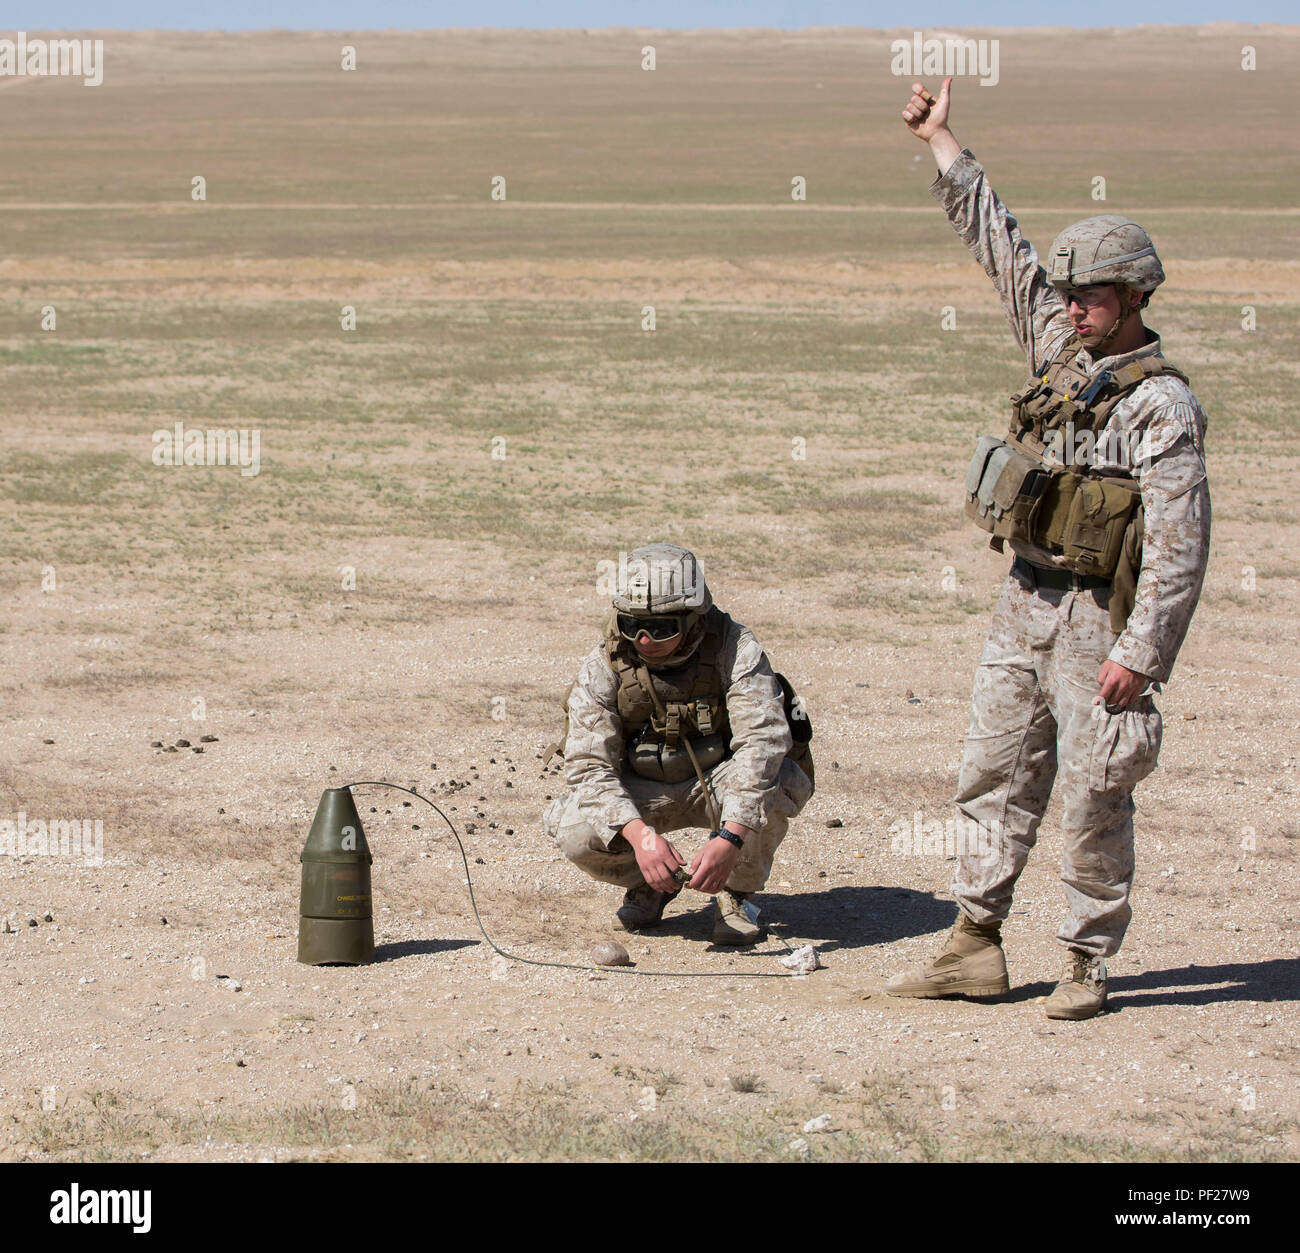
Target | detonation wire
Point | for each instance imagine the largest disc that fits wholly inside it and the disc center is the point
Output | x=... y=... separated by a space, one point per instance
x=533 y=961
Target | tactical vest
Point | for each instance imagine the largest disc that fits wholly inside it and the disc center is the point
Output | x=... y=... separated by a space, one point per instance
x=685 y=703
x=1081 y=515
x=660 y=708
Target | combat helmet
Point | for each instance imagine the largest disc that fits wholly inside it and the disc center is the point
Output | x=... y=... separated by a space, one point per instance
x=1106 y=249
x=660 y=580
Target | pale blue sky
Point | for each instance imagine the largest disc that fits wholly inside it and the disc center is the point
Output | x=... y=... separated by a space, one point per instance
x=420 y=14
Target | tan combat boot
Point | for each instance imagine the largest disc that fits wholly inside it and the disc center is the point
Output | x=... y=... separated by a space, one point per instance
x=1082 y=992
x=971 y=964
x=642 y=907
x=735 y=919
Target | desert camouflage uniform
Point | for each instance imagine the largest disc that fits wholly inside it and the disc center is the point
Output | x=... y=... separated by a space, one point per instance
x=1032 y=716
x=757 y=785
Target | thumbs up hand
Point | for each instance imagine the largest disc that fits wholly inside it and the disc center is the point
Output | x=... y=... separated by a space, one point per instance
x=925 y=116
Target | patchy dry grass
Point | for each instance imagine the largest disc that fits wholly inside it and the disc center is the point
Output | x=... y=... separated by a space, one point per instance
x=877 y=1121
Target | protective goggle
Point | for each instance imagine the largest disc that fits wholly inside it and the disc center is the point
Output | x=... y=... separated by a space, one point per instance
x=1085 y=297
x=659 y=628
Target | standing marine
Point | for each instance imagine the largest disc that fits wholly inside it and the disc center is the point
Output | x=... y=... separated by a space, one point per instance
x=676 y=720
x=1099 y=487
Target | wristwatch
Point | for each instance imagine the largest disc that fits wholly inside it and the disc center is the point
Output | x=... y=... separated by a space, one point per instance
x=730 y=836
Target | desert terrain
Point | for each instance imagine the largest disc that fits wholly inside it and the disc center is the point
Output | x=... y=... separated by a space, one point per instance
x=405 y=588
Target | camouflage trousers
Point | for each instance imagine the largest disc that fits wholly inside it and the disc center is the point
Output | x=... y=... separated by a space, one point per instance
x=1034 y=724
x=672 y=807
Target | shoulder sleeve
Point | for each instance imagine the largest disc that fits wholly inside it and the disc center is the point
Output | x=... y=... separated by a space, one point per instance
x=993 y=236
x=593 y=750
x=1170 y=466
x=760 y=735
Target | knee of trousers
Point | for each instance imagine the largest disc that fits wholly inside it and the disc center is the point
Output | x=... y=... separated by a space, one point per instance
x=1101 y=862
x=576 y=838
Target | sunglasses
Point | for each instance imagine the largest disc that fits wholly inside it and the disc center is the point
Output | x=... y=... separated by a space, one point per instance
x=659 y=628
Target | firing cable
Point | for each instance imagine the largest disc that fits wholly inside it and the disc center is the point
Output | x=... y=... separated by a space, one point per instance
x=532 y=961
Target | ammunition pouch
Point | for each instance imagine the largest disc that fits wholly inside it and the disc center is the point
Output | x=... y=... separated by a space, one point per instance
x=654 y=758
x=1082 y=518
x=1093 y=515
x=1004 y=487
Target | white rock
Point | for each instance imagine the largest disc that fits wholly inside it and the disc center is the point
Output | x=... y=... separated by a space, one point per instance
x=648 y=1100
x=813 y=1125
x=803 y=961
x=798 y=1146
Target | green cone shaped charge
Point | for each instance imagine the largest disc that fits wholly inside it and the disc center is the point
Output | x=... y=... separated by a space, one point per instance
x=335 y=924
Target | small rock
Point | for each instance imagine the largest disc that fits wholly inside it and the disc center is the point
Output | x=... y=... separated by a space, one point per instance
x=196 y=749
x=31 y=922
x=239 y=1061
x=610 y=953
x=221 y=809
x=48 y=741
x=212 y=739
x=155 y=743
x=834 y=822
x=182 y=743
x=1189 y=717
x=478 y=861
x=803 y=961
x=171 y=748
x=231 y=985
x=909 y=694
x=49 y=917
x=163 y=921
x=814 y=1125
